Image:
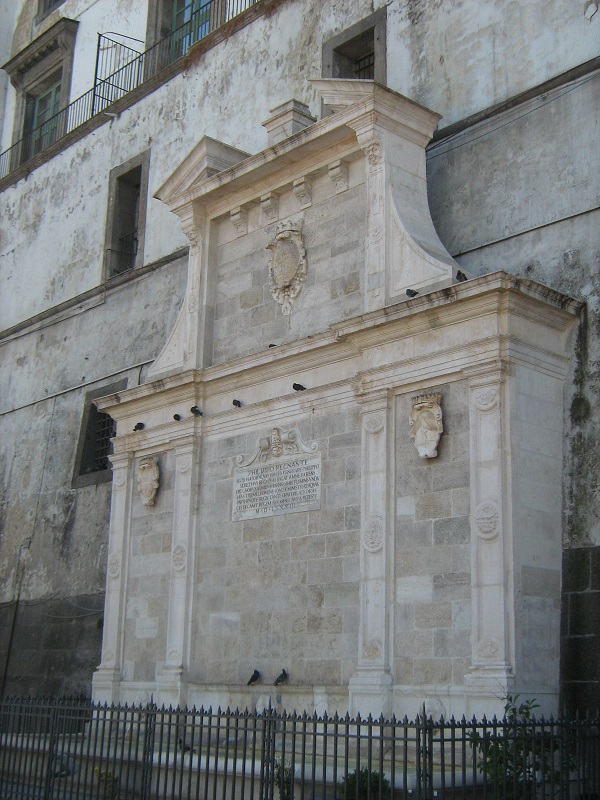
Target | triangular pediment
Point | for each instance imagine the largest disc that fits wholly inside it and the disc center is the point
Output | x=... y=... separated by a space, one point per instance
x=207 y=158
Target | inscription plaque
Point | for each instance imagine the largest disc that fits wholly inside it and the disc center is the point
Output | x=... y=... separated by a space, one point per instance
x=283 y=486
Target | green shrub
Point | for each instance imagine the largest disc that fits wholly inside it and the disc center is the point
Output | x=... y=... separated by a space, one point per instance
x=363 y=784
x=514 y=761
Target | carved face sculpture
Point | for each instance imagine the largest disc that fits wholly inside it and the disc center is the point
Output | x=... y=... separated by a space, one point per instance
x=148 y=480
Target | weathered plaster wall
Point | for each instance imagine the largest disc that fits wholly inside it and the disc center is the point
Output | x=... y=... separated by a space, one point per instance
x=53 y=542
x=280 y=51
x=462 y=56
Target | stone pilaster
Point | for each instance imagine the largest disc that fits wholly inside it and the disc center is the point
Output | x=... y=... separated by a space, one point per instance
x=371 y=686
x=184 y=349
x=106 y=679
x=170 y=680
x=492 y=638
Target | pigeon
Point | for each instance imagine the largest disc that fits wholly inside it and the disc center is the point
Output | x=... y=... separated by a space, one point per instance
x=411 y=293
x=196 y=411
x=237 y=403
x=460 y=276
x=254 y=677
x=297 y=387
x=183 y=746
x=282 y=678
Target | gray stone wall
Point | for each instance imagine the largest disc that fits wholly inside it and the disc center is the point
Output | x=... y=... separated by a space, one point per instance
x=280 y=591
x=580 y=632
x=54 y=645
x=432 y=548
x=148 y=577
x=537 y=216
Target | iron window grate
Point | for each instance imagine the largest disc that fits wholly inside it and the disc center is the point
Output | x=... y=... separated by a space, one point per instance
x=105 y=429
x=364 y=68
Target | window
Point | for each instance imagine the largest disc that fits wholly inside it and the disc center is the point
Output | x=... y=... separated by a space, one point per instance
x=46 y=7
x=92 y=463
x=191 y=21
x=41 y=74
x=359 y=52
x=126 y=218
x=42 y=125
x=187 y=20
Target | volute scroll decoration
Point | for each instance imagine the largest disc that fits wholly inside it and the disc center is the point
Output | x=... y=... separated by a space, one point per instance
x=279 y=443
x=426 y=423
x=287 y=268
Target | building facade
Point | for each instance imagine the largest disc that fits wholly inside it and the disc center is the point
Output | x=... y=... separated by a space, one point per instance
x=297 y=374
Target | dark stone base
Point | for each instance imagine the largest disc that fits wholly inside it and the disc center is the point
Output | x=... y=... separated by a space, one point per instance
x=580 y=634
x=50 y=647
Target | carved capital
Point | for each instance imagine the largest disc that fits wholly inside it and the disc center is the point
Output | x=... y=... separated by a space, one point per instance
x=373 y=150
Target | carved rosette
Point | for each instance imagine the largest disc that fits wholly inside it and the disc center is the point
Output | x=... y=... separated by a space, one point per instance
x=287 y=268
x=489 y=649
x=373 y=535
x=487 y=519
x=113 y=566
x=179 y=558
x=372 y=650
x=277 y=444
x=148 y=479
x=119 y=477
x=184 y=464
x=374 y=422
x=426 y=423
x=486 y=399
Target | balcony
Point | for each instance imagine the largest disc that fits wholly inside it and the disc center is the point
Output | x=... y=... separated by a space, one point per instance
x=120 y=71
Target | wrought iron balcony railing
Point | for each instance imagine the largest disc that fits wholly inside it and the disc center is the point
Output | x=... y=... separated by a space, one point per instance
x=119 y=70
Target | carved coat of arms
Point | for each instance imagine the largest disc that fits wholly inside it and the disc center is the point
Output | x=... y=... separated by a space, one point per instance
x=287 y=268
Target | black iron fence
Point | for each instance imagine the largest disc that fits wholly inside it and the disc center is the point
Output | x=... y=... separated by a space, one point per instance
x=119 y=70
x=55 y=749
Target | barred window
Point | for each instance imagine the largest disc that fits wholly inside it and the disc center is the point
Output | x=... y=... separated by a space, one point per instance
x=97 y=446
x=359 y=52
x=92 y=463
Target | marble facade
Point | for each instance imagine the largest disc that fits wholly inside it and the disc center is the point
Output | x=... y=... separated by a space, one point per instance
x=323 y=320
